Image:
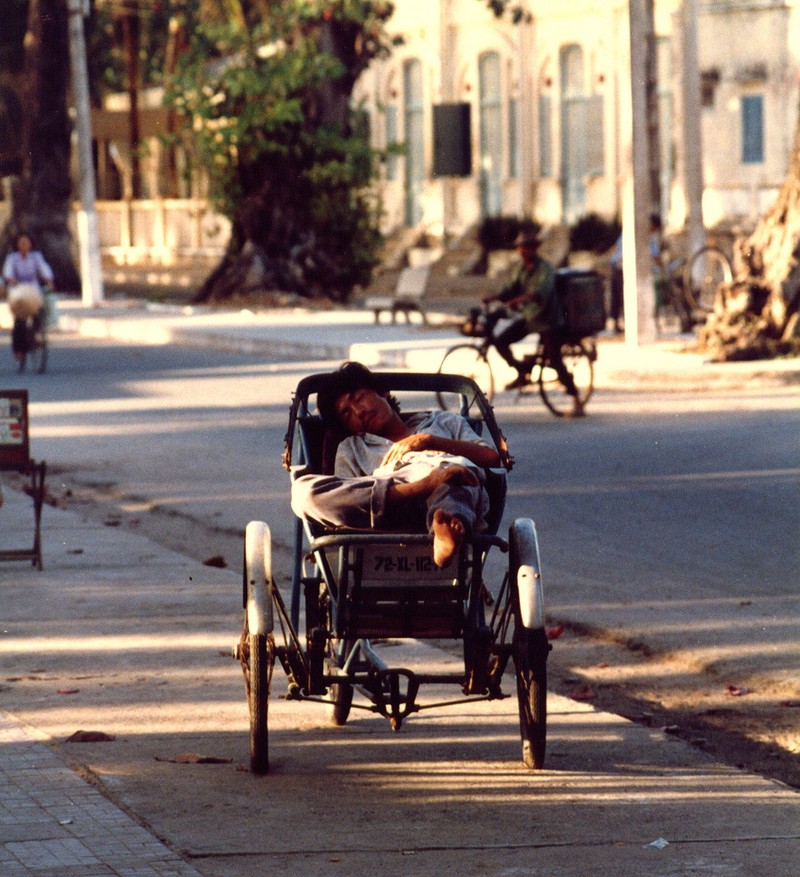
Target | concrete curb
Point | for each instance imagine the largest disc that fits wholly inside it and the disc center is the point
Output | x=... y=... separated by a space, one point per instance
x=298 y=334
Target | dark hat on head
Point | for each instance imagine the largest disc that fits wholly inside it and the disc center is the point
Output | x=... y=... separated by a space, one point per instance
x=348 y=377
x=529 y=239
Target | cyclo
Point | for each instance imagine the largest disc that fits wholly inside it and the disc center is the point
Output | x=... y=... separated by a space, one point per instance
x=361 y=589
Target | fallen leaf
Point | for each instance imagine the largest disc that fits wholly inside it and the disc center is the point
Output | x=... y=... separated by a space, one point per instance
x=68 y=691
x=89 y=737
x=217 y=560
x=195 y=758
x=735 y=691
x=585 y=692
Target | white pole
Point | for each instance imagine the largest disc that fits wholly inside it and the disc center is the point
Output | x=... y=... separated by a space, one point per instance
x=88 y=238
x=692 y=133
x=637 y=269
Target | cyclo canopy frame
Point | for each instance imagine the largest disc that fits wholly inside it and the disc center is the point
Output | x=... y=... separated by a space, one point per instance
x=362 y=588
x=465 y=388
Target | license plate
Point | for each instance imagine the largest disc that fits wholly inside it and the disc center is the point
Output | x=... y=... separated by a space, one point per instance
x=401 y=564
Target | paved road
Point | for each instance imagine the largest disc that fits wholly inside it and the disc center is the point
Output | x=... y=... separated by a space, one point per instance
x=142 y=643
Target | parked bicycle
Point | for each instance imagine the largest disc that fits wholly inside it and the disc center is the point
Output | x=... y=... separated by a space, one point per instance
x=688 y=286
x=473 y=360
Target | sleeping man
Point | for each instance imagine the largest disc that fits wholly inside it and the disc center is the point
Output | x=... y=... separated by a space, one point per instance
x=396 y=474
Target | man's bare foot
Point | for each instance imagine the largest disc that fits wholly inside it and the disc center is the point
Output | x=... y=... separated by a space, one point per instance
x=448 y=534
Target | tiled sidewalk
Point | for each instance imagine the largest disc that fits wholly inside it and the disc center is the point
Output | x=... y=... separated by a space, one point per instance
x=54 y=824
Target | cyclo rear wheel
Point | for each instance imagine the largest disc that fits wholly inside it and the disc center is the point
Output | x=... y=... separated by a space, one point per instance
x=530 y=647
x=261 y=660
x=470 y=361
x=259 y=657
x=579 y=360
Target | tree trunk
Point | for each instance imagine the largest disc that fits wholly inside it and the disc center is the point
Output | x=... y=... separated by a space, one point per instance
x=757 y=316
x=41 y=194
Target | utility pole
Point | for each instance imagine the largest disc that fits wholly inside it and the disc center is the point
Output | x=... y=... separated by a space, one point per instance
x=637 y=268
x=130 y=30
x=692 y=133
x=88 y=238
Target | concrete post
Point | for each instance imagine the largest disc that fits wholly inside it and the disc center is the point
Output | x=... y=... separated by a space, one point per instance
x=692 y=130
x=447 y=95
x=640 y=326
x=88 y=238
x=528 y=109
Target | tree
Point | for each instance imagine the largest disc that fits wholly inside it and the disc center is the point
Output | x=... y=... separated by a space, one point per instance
x=266 y=98
x=41 y=192
x=758 y=315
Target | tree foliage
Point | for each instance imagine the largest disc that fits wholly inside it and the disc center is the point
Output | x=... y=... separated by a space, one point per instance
x=41 y=191
x=266 y=99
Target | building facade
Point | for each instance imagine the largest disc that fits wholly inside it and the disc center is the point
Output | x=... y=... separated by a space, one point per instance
x=546 y=105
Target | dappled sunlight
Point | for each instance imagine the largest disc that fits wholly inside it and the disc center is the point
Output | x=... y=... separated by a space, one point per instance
x=166 y=641
x=427 y=786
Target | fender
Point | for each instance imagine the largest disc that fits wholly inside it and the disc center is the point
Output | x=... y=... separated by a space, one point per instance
x=258 y=577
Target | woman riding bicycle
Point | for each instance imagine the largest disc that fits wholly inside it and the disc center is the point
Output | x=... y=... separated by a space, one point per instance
x=26 y=266
x=532 y=292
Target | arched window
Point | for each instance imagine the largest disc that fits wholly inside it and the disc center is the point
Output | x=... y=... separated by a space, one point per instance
x=574 y=132
x=413 y=117
x=491 y=134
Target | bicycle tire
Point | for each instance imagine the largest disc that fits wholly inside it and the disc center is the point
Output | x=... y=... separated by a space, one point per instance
x=38 y=352
x=467 y=360
x=703 y=272
x=530 y=649
x=579 y=362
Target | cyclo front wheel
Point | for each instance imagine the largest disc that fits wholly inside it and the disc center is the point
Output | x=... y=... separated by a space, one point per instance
x=579 y=361
x=470 y=361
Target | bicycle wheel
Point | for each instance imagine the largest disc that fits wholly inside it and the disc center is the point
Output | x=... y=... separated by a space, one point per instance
x=530 y=647
x=704 y=271
x=260 y=658
x=340 y=694
x=470 y=361
x=38 y=350
x=579 y=362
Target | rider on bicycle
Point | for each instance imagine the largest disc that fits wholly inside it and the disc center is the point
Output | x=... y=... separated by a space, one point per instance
x=532 y=292
x=25 y=265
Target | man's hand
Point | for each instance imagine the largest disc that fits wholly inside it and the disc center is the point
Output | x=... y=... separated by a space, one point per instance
x=403 y=492
x=418 y=441
x=480 y=454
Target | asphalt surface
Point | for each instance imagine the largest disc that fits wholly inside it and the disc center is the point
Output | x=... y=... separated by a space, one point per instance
x=616 y=797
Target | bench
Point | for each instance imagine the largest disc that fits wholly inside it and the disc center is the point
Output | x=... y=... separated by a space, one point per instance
x=407 y=297
x=15 y=457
